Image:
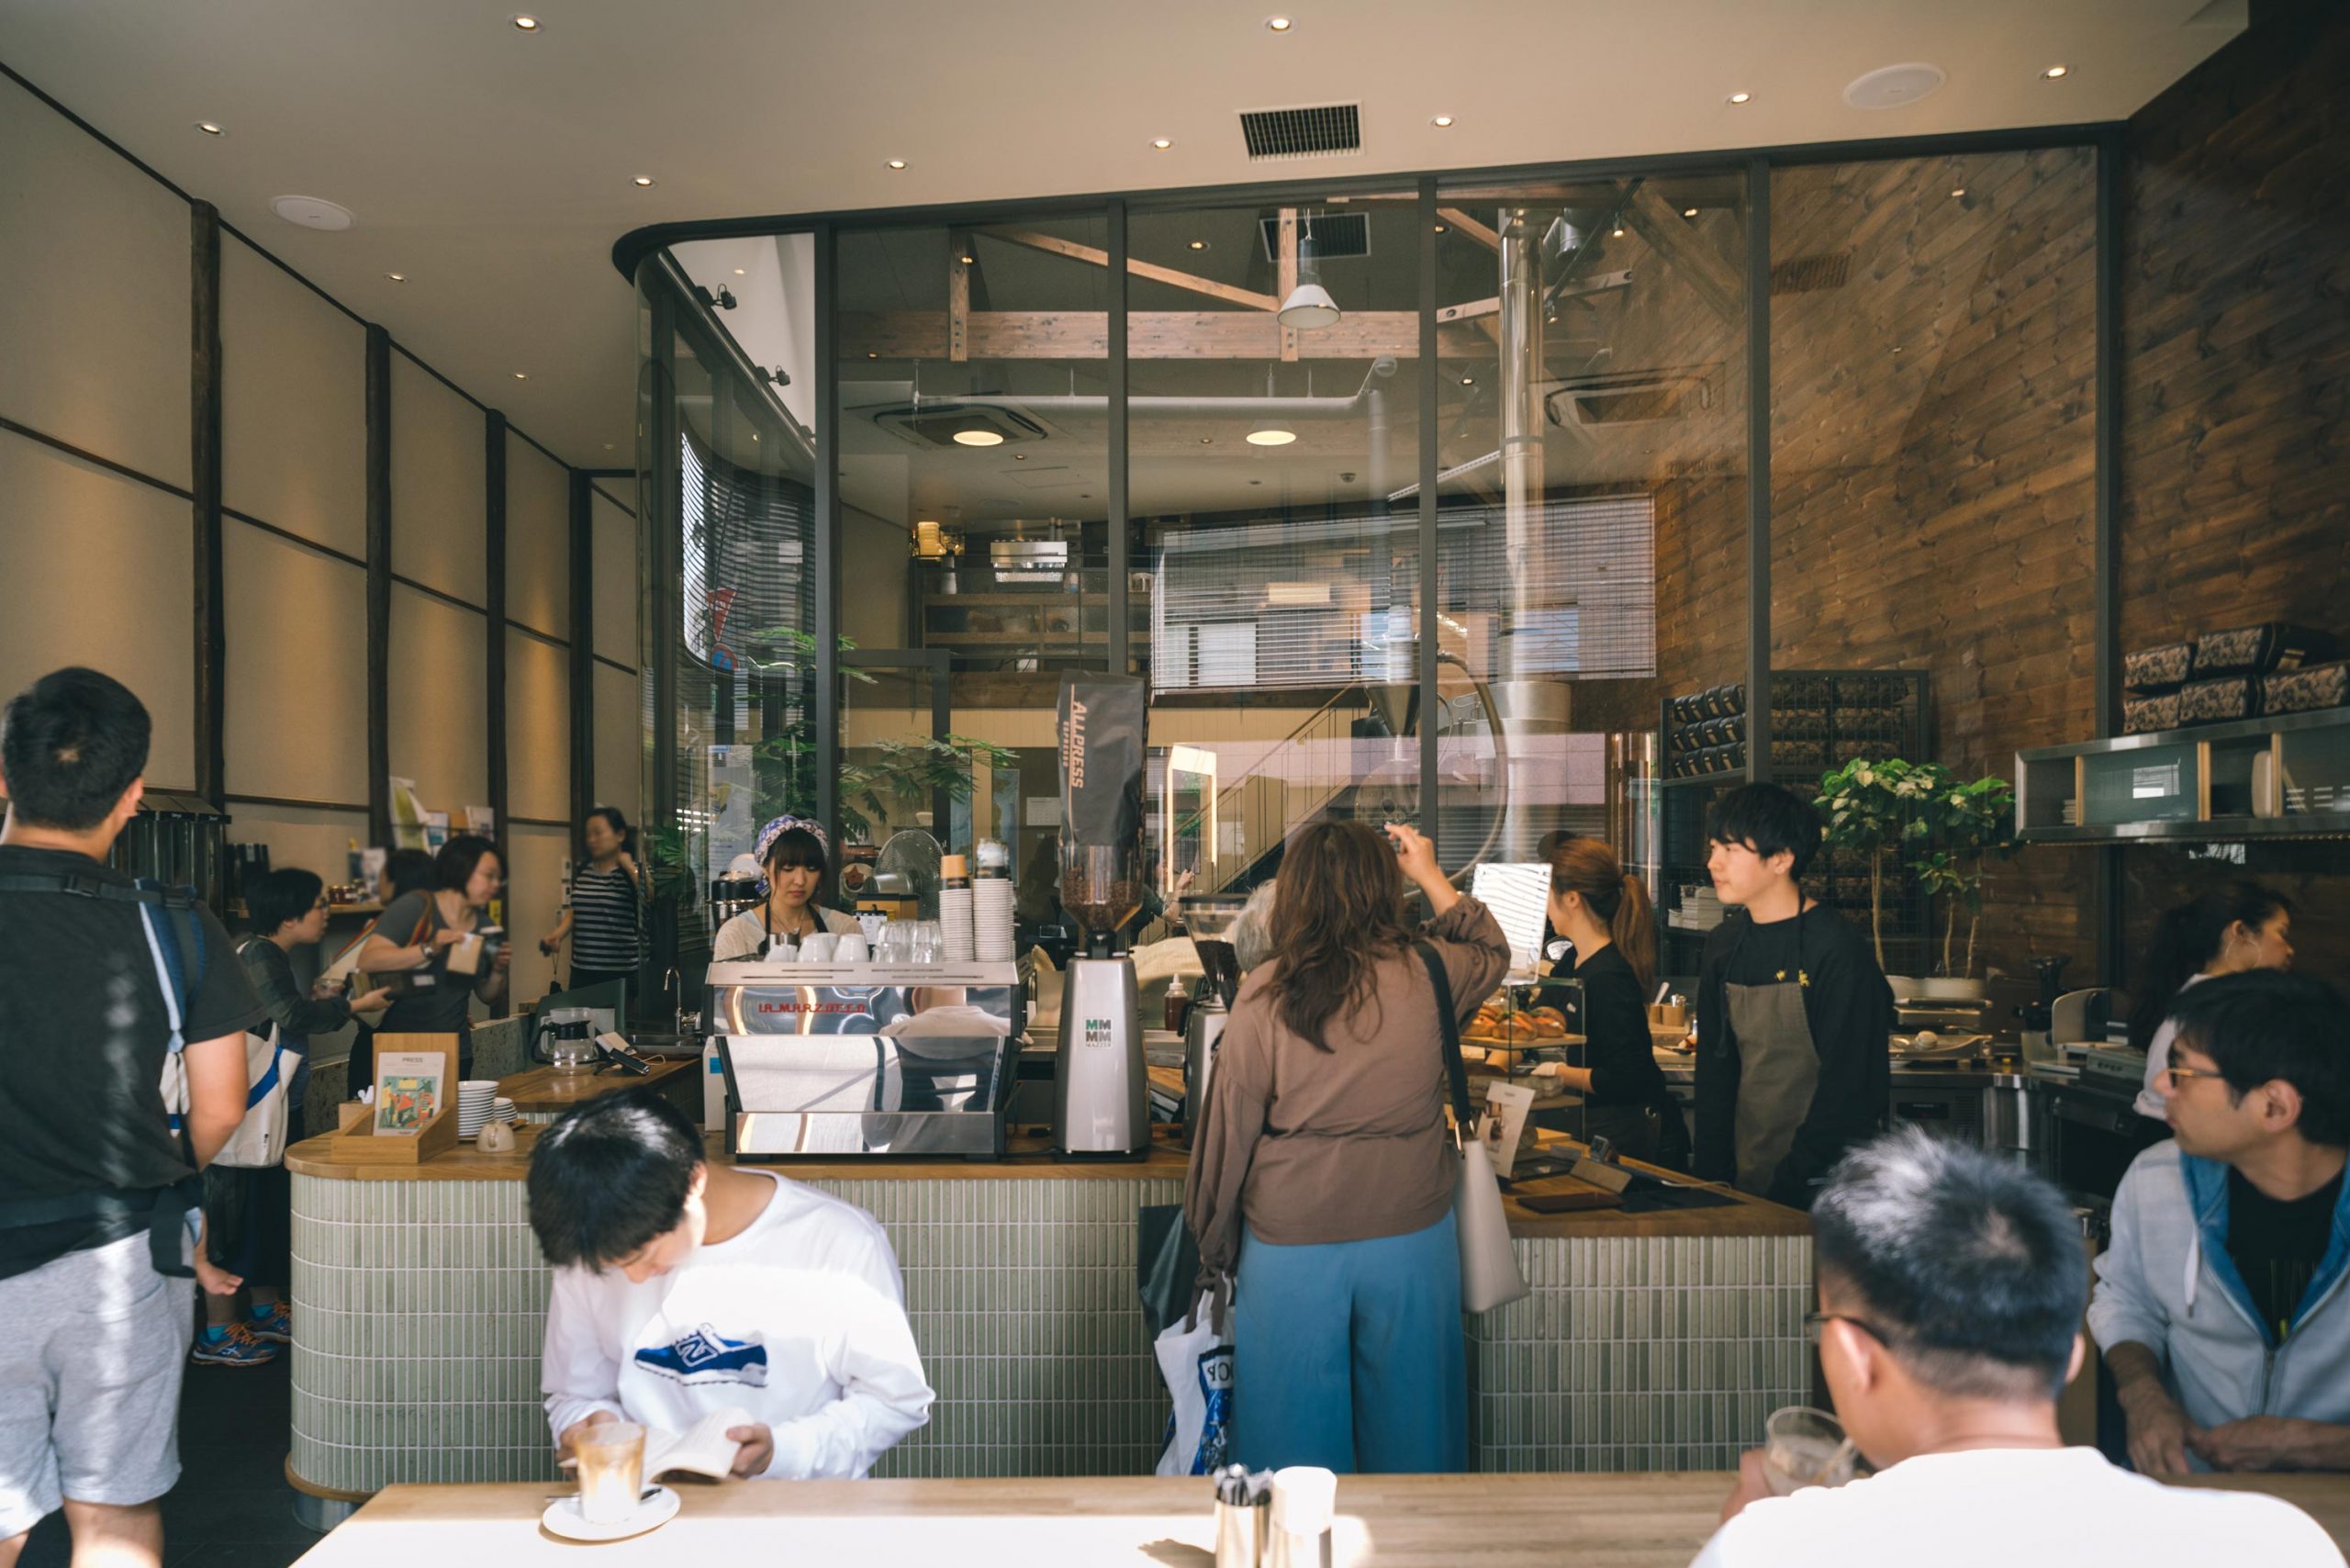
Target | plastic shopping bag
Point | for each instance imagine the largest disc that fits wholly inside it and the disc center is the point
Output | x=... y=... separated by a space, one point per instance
x=1196 y=1362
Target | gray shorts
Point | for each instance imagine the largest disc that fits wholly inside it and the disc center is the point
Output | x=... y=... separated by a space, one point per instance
x=91 y=1347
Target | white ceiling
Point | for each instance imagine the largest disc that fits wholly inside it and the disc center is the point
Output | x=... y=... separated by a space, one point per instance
x=494 y=167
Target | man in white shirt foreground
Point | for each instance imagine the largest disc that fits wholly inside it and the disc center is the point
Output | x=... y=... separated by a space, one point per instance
x=683 y=1287
x=1951 y=1292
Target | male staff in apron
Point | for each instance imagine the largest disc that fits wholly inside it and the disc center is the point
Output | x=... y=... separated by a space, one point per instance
x=1793 y=1011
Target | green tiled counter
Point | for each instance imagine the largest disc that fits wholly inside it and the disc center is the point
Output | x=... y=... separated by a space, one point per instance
x=419 y=1300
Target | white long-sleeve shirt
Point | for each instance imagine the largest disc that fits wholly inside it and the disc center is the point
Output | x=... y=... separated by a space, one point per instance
x=800 y=1319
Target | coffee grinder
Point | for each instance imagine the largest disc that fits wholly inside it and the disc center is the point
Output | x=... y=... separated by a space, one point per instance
x=1209 y=917
x=1100 y=1088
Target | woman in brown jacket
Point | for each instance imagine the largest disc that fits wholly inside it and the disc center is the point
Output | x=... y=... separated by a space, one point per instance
x=1323 y=1174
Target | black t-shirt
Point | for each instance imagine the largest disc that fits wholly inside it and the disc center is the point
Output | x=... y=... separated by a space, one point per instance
x=84 y=1035
x=2277 y=1246
x=1614 y=1022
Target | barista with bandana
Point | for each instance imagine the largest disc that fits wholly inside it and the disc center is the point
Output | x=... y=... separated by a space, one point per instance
x=793 y=862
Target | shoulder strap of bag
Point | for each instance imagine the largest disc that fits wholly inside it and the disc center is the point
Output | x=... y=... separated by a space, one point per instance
x=1456 y=1071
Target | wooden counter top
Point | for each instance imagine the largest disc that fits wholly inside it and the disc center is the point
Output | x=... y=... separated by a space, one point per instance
x=544 y=1089
x=1394 y=1521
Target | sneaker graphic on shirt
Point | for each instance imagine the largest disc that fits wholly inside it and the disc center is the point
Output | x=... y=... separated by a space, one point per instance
x=703 y=1356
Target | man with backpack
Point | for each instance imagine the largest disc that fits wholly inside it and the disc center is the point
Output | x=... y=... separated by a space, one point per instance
x=103 y=981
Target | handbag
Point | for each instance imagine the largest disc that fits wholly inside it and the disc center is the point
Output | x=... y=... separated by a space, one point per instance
x=1489 y=1273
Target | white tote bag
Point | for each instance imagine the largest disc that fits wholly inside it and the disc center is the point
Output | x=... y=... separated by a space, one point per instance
x=1195 y=1359
x=1489 y=1272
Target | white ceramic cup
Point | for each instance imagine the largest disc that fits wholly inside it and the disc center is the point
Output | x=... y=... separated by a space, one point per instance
x=818 y=948
x=850 y=949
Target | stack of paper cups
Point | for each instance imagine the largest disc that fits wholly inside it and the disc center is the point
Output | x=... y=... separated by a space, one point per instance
x=475 y=1097
x=955 y=927
x=992 y=918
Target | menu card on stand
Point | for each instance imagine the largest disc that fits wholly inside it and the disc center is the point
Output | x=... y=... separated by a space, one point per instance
x=410 y=1088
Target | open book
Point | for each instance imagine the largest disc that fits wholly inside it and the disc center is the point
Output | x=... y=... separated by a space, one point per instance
x=703 y=1449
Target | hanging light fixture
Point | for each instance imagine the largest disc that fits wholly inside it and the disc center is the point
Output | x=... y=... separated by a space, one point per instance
x=1270 y=431
x=1309 y=305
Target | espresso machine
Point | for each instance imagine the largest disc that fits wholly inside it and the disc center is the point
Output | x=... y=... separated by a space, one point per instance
x=1101 y=1087
x=1209 y=918
x=824 y=1059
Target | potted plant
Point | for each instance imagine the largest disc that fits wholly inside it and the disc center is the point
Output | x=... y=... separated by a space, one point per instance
x=1968 y=826
x=1874 y=810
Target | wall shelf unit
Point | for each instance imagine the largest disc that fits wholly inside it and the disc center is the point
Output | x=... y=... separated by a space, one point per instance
x=2283 y=778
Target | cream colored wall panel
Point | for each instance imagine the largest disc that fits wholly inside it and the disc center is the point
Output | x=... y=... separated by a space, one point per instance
x=293 y=404
x=97 y=567
x=538 y=538
x=297 y=669
x=533 y=904
x=438 y=706
x=439 y=505
x=94 y=320
x=615 y=582
x=537 y=728
x=619 y=742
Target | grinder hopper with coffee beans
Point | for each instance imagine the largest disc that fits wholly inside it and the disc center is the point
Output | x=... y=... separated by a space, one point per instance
x=1100 y=1094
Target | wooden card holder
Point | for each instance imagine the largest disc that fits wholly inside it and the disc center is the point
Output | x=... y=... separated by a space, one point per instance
x=356 y=1141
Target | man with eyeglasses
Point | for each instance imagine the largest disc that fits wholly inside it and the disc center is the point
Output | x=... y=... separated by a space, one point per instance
x=1950 y=1287
x=2220 y=1303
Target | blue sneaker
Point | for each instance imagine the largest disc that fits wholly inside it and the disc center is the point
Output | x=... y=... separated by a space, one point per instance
x=237 y=1347
x=276 y=1325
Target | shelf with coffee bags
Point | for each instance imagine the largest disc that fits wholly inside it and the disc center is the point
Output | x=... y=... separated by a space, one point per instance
x=2285 y=775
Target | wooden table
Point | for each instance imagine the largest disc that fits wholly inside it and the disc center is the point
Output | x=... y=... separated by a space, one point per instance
x=1395 y=1521
x=547 y=1089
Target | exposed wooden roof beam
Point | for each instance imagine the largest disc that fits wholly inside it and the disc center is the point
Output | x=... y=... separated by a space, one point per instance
x=1696 y=264
x=1467 y=224
x=1054 y=245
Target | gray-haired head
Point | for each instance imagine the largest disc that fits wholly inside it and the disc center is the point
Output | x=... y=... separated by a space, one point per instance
x=1971 y=1270
x=1252 y=937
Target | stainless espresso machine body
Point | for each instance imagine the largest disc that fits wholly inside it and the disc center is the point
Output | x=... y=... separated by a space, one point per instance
x=845 y=1060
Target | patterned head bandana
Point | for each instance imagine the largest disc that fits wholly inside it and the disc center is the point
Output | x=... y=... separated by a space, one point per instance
x=777 y=829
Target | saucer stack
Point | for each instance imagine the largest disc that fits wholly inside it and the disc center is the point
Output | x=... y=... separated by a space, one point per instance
x=474 y=1097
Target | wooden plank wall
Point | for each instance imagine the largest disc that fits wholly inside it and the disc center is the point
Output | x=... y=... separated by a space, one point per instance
x=2236 y=392
x=1933 y=466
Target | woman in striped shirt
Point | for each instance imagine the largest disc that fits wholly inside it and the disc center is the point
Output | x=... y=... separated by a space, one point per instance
x=601 y=916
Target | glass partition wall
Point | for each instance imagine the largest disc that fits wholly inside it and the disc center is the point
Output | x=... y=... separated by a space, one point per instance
x=1471 y=502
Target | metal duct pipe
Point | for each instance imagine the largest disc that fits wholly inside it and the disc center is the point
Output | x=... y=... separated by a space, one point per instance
x=1534 y=701
x=1355 y=407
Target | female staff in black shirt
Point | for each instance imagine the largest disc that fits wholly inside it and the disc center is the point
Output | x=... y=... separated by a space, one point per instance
x=1607 y=917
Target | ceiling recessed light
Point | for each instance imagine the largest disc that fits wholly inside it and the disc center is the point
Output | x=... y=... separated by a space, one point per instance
x=1439 y=228
x=1688 y=212
x=526 y=24
x=2054 y=72
x=522 y=375
x=1199 y=244
x=608 y=446
x=1278 y=24
x=969 y=261
x=1741 y=97
x=1958 y=191
x=397 y=277
x=1442 y=122
x=871 y=353
x=1207 y=441
x=208 y=128
x=740 y=272
x=1468 y=381
x=1020 y=457
x=1162 y=143
x=1616 y=232
x=643 y=181
x=897 y=162
x=1270 y=435
x=979 y=438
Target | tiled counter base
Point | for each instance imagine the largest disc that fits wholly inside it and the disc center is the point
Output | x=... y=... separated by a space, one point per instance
x=1641 y=1353
x=420 y=1307
x=1656 y=1342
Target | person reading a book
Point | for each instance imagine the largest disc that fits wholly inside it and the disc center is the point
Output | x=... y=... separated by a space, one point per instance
x=752 y=1326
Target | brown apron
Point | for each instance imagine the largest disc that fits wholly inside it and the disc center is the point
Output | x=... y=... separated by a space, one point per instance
x=1778 y=1070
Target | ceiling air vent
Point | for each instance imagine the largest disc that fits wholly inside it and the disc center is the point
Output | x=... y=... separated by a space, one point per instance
x=950 y=423
x=1302 y=133
x=1809 y=275
x=1336 y=235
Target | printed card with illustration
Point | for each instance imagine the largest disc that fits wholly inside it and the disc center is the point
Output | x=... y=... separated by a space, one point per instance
x=410 y=1087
